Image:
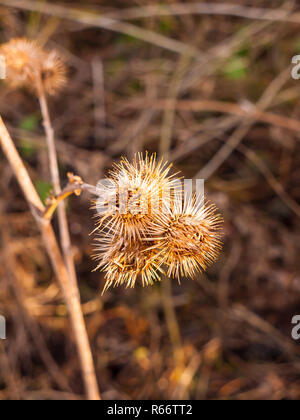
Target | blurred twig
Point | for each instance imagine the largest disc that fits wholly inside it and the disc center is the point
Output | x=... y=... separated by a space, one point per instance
x=225 y=9
x=237 y=137
x=94 y=19
x=54 y=170
x=273 y=182
x=70 y=293
x=243 y=110
x=169 y=112
x=99 y=100
x=8 y=373
x=172 y=322
x=32 y=327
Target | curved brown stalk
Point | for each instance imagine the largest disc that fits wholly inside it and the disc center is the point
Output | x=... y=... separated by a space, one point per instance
x=75 y=186
x=70 y=292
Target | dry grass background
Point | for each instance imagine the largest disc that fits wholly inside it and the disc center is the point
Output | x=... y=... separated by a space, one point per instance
x=214 y=93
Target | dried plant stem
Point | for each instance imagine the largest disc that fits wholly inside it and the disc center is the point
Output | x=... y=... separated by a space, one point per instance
x=170 y=113
x=69 y=291
x=94 y=19
x=172 y=323
x=74 y=187
x=62 y=217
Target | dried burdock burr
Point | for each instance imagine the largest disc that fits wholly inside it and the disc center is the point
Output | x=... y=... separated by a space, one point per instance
x=53 y=73
x=189 y=236
x=22 y=59
x=156 y=229
x=30 y=66
x=133 y=196
x=125 y=262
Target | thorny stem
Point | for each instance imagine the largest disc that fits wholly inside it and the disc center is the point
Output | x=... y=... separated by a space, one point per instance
x=70 y=292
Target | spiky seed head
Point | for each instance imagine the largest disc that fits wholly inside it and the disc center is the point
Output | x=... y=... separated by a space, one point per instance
x=53 y=73
x=189 y=236
x=22 y=58
x=125 y=262
x=134 y=197
x=154 y=227
x=28 y=65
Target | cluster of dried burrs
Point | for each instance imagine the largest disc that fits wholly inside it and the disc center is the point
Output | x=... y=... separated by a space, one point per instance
x=148 y=227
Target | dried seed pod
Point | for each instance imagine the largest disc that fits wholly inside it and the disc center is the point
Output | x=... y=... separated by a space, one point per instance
x=154 y=227
x=124 y=262
x=29 y=66
x=133 y=197
x=189 y=236
x=22 y=59
x=53 y=73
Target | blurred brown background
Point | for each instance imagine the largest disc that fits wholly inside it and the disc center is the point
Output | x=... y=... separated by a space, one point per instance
x=210 y=87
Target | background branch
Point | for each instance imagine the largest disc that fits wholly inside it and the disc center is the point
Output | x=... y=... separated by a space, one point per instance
x=69 y=291
x=54 y=170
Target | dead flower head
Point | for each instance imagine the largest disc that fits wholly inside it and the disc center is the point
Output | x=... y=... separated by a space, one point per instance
x=53 y=73
x=131 y=198
x=189 y=235
x=30 y=66
x=152 y=232
x=124 y=262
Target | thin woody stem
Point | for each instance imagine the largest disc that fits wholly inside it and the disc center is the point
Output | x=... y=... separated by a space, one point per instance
x=72 y=188
x=172 y=322
x=54 y=169
x=70 y=293
x=55 y=202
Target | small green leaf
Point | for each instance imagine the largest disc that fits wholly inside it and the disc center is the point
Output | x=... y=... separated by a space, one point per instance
x=30 y=123
x=27 y=148
x=236 y=68
x=243 y=51
x=167 y=24
x=125 y=39
x=43 y=188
